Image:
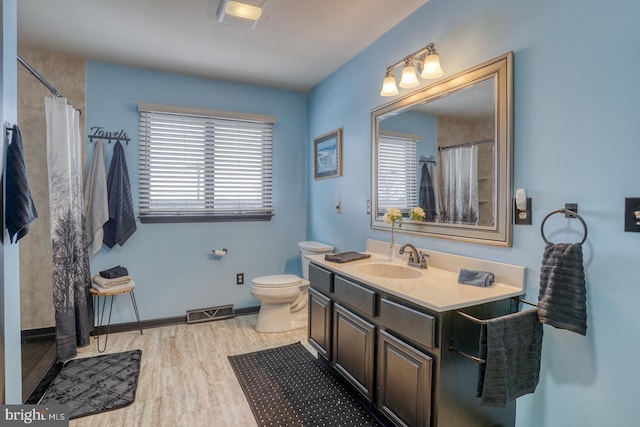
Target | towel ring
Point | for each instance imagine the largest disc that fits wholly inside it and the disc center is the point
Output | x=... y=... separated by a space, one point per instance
x=565 y=211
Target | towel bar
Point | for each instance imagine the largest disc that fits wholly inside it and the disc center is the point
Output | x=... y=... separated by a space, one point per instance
x=480 y=322
x=467 y=355
x=483 y=322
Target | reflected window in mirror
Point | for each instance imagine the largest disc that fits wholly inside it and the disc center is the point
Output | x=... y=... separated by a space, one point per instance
x=397 y=172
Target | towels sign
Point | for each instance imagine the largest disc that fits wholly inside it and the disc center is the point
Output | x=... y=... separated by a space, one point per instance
x=98 y=132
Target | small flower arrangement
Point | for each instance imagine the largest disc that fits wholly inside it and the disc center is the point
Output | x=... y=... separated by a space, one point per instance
x=416 y=214
x=392 y=216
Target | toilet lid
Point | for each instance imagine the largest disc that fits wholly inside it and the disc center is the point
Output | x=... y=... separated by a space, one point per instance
x=277 y=280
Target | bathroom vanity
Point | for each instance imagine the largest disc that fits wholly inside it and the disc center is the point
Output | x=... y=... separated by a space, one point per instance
x=388 y=330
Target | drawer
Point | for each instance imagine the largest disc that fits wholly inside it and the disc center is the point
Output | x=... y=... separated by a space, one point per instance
x=411 y=324
x=321 y=279
x=356 y=296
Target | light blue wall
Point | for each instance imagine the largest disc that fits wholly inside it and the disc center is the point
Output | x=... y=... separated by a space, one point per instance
x=170 y=263
x=576 y=110
x=10 y=360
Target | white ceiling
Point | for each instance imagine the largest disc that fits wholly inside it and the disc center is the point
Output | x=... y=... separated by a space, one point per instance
x=295 y=46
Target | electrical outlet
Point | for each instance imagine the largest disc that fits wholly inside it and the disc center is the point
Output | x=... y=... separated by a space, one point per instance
x=522 y=217
x=240 y=279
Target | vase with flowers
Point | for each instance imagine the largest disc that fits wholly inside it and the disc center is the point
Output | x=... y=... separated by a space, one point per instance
x=392 y=216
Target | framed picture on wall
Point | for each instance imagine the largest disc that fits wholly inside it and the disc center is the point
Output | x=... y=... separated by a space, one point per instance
x=327 y=155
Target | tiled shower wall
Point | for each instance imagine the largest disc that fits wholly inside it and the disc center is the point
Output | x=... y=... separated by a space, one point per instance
x=68 y=76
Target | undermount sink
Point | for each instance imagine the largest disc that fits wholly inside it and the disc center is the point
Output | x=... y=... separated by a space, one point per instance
x=390 y=271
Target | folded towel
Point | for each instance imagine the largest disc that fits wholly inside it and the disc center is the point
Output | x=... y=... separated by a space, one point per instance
x=346 y=257
x=107 y=283
x=114 y=272
x=129 y=285
x=562 y=301
x=511 y=346
x=476 y=278
x=21 y=210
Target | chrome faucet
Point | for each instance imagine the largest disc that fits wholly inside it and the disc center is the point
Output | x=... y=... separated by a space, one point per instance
x=416 y=259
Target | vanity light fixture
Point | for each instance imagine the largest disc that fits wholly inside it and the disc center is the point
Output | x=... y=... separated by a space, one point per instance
x=429 y=65
x=241 y=13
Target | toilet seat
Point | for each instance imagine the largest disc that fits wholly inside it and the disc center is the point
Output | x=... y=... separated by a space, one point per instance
x=277 y=281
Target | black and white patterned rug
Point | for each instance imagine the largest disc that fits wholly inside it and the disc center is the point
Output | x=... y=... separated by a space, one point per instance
x=287 y=386
x=96 y=384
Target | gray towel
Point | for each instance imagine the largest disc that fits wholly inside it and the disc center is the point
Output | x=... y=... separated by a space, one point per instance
x=476 y=278
x=346 y=257
x=511 y=346
x=122 y=222
x=21 y=210
x=115 y=272
x=96 y=205
x=562 y=301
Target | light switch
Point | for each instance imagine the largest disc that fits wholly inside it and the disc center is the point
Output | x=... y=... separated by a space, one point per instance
x=632 y=214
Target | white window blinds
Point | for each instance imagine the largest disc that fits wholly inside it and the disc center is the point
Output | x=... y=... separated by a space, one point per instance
x=397 y=170
x=196 y=167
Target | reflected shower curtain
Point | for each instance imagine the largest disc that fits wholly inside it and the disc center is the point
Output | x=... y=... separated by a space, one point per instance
x=459 y=185
x=71 y=276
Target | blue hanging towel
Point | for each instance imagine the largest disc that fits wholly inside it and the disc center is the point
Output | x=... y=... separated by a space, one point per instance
x=427 y=197
x=122 y=222
x=21 y=210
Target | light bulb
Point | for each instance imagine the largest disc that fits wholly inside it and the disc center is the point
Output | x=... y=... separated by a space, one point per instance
x=409 y=77
x=243 y=10
x=431 y=68
x=389 y=87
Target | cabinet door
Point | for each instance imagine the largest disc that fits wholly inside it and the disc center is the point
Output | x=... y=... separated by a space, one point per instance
x=353 y=349
x=404 y=382
x=319 y=327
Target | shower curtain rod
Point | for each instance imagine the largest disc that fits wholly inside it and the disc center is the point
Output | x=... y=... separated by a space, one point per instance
x=39 y=77
x=465 y=144
x=44 y=81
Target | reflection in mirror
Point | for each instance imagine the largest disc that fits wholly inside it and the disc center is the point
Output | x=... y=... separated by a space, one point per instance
x=446 y=149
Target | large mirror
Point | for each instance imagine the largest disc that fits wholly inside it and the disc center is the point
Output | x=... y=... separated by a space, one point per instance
x=446 y=149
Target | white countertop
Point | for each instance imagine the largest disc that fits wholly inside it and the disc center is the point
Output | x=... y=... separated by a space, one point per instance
x=437 y=289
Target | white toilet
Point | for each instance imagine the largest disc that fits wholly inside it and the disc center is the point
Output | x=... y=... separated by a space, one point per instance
x=283 y=297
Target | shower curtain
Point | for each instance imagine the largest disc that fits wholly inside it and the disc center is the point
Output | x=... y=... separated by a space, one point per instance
x=71 y=276
x=459 y=185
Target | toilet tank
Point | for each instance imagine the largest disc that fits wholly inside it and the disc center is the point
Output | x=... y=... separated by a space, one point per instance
x=311 y=248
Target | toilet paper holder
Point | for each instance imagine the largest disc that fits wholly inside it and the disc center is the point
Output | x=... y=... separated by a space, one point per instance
x=219 y=252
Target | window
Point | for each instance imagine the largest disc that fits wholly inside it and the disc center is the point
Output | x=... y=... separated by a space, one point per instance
x=397 y=182
x=202 y=165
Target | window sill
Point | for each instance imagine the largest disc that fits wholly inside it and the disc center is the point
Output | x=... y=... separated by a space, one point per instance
x=167 y=219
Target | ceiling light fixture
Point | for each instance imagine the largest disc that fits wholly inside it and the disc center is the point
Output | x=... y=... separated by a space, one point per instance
x=429 y=64
x=241 y=13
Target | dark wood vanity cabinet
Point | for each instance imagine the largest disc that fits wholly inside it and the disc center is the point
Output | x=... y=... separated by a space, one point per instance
x=404 y=382
x=354 y=349
x=319 y=323
x=396 y=353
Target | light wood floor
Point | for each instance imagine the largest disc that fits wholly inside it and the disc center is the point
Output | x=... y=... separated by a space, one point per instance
x=185 y=377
